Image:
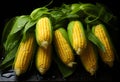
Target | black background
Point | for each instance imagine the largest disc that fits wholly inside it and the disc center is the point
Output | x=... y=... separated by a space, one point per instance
x=9 y=8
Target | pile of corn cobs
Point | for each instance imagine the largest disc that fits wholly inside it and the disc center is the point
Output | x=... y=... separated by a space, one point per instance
x=75 y=29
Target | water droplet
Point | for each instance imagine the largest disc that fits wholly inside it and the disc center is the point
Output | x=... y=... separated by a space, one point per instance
x=53 y=77
x=2 y=58
x=19 y=26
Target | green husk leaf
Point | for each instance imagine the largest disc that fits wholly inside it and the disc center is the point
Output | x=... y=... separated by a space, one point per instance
x=95 y=40
x=65 y=71
x=30 y=24
x=69 y=30
x=64 y=34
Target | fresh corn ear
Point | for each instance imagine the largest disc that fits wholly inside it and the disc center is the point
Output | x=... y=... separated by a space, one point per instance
x=107 y=56
x=89 y=59
x=77 y=36
x=63 y=47
x=44 y=32
x=24 y=54
x=43 y=59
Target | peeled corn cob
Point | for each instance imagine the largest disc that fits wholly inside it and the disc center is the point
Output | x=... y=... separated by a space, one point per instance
x=63 y=47
x=24 y=55
x=77 y=36
x=107 y=56
x=89 y=59
x=43 y=59
x=44 y=32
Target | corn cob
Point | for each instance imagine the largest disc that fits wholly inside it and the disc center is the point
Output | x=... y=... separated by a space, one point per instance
x=44 y=32
x=89 y=59
x=63 y=47
x=107 y=56
x=77 y=36
x=24 y=55
x=43 y=59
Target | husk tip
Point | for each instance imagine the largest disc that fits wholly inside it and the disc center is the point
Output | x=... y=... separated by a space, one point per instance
x=17 y=71
x=44 y=44
x=71 y=64
x=42 y=71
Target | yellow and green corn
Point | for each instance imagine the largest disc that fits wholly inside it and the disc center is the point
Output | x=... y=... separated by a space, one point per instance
x=43 y=59
x=24 y=54
x=89 y=59
x=44 y=32
x=107 y=56
x=77 y=36
x=63 y=47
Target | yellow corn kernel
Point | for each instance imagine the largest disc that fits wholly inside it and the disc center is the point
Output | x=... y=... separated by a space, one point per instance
x=77 y=36
x=89 y=59
x=24 y=55
x=108 y=55
x=63 y=47
x=44 y=32
x=43 y=59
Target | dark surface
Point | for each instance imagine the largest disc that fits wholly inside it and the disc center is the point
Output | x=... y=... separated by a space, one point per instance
x=104 y=73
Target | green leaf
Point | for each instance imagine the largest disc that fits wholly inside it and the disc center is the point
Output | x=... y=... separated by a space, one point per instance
x=92 y=12
x=66 y=72
x=12 y=38
x=56 y=14
x=104 y=14
x=65 y=8
x=7 y=28
x=38 y=12
x=91 y=19
x=11 y=42
x=89 y=9
x=75 y=7
x=57 y=18
x=95 y=40
x=29 y=24
x=19 y=24
x=9 y=57
x=7 y=65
